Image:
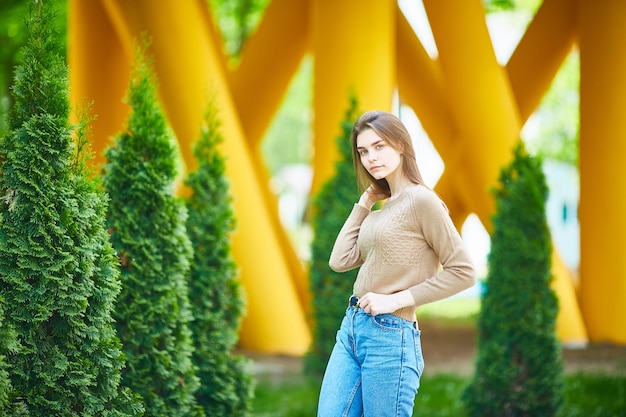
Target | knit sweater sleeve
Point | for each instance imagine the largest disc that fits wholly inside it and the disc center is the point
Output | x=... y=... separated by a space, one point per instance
x=457 y=271
x=345 y=254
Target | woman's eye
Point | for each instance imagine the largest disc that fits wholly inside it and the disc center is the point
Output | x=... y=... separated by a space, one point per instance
x=363 y=152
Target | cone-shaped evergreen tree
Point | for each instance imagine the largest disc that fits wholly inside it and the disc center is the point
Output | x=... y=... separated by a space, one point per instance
x=58 y=271
x=147 y=225
x=518 y=368
x=216 y=295
x=330 y=290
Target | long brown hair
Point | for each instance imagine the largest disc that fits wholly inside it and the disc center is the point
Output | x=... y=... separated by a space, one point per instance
x=391 y=129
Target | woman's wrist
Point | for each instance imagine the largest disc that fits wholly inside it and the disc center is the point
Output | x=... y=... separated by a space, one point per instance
x=405 y=299
x=364 y=202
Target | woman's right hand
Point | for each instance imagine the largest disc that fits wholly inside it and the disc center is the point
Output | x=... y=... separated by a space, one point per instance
x=371 y=196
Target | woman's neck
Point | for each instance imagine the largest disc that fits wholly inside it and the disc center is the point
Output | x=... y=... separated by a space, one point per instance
x=398 y=186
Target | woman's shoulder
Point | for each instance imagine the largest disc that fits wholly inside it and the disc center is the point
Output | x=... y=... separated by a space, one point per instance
x=425 y=198
x=421 y=192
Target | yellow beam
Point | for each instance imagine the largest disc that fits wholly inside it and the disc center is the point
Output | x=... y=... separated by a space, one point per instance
x=532 y=67
x=258 y=84
x=479 y=97
x=270 y=58
x=421 y=83
x=570 y=327
x=422 y=87
x=101 y=79
x=603 y=169
x=352 y=41
x=540 y=53
x=447 y=188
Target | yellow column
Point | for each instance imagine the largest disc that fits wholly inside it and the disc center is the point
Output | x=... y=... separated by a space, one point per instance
x=570 y=327
x=481 y=103
x=603 y=168
x=354 y=53
x=422 y=87
x=421 y=82
x=189 y=71
x=531 y=69
x=258 y=84
x=540 y=53
x=100 y=78
x=270 y=59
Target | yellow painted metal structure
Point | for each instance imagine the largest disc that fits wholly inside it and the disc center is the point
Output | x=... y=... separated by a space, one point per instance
x=471 y=106
x=602 y=153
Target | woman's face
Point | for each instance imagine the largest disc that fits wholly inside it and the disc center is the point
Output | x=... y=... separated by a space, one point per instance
x=379 y=158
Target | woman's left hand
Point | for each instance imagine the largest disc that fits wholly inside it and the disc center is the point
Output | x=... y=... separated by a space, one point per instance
x=374 y=304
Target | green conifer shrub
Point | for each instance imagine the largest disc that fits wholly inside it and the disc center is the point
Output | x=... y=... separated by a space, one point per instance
x=58 y=272
x=216 y=296
x=147 y=225
x=330 y=290
x=518 y=366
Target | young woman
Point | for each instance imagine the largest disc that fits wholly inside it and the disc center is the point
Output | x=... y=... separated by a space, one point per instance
x=409 y=254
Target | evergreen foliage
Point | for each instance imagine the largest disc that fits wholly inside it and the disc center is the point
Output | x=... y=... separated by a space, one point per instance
x=6 y=338
x=58 y=272
x=10 y=406
x=147 y=226
x=215 y=294
x=518 y=367
x=330 y=290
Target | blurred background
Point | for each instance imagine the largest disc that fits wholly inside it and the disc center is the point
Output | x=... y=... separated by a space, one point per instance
x=290 y=140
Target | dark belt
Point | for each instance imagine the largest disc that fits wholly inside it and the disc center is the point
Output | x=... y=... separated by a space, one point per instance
x=354 y=301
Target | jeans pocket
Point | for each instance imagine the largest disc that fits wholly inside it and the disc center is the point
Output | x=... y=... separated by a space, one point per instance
x=419 y=356
x=387 y=322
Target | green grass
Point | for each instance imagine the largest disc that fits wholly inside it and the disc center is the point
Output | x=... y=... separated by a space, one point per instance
x=586 y=395
x=294 y=397
x=594 y=396
x=458 y=311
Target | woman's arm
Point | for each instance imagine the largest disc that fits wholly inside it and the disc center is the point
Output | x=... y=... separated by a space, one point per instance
x=457 y=272
x=345 y=254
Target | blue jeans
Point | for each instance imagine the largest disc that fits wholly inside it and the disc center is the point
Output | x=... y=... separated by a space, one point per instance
x=374 y=369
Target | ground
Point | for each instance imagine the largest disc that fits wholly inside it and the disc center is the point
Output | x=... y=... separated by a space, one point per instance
x=451 y=349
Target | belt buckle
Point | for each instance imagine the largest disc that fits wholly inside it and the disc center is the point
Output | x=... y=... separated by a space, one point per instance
x=354 y=301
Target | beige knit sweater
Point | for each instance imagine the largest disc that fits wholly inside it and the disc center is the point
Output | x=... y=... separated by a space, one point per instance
x=411 y=243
